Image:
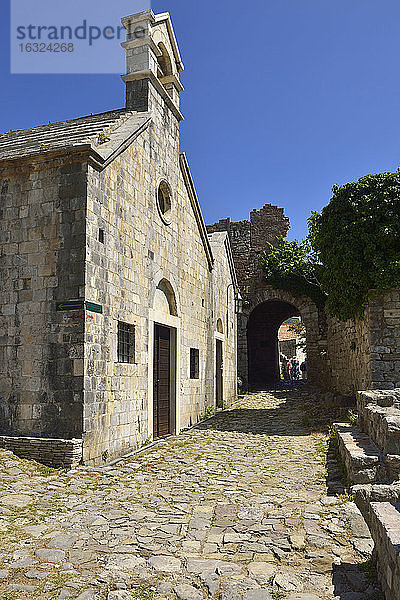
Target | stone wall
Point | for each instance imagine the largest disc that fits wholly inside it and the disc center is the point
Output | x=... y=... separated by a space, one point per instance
x=123 y=275
x=49 y=451
x=42 y=241
x=365 y=354
x=349 y=355
x=223 y=286
x=249 y=238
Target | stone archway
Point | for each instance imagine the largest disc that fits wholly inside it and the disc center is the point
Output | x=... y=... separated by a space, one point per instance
x=260 y=295
x=262 y=341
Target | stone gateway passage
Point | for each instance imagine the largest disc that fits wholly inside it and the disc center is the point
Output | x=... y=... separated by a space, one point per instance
x=235 y=509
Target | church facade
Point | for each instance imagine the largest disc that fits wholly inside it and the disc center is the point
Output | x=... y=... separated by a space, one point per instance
x=117 y=309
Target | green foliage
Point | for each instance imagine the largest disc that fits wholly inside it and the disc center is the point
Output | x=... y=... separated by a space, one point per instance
x=294 y=267
x=352 y=417
x=351 y=252
x=357 y=239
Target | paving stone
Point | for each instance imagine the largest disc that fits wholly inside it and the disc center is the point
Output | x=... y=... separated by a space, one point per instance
x=230 y=595
x=62 y=542
x=262 y=571
x=303 y=597
x=87 y=595
x=23 y=563
x=35 y=574
x=211 y=581
x=298 y=541
x=120 y=595
x=124 y=562
x=287 y=582
x=16 y=500
x=187 y=592
x=19 y=587
x=237 y=488
x=50 y=555
x=257 y=595
x=168 y=564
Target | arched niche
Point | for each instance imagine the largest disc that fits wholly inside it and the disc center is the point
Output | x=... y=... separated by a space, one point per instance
x=164 y=62
x=165 y=299
x=220 y=327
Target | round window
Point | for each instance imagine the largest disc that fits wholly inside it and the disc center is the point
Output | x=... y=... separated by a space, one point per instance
x=164 y=202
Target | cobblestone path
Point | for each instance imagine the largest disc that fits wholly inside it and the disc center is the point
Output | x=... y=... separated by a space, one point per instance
x=234 y=509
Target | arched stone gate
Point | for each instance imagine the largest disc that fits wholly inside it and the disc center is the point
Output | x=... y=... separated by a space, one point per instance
x=264 y=312
x=259 y=322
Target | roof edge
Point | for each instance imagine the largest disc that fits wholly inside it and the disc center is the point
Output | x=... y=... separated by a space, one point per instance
x=187 y=177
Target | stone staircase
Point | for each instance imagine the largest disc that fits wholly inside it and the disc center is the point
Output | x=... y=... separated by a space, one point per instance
x=370 y=451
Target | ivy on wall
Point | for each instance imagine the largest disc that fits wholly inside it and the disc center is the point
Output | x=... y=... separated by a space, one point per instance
x=353 y=248
x=294 y=267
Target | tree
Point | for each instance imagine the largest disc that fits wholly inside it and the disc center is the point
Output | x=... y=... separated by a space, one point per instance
x=357 y=238
x=294 y=267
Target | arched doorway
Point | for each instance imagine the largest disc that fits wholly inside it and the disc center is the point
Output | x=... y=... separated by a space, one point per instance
x=262 y=341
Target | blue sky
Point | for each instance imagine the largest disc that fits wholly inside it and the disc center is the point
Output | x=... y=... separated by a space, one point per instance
x=282 y=99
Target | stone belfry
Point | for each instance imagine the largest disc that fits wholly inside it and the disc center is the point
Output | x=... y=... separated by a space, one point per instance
x=153 y=63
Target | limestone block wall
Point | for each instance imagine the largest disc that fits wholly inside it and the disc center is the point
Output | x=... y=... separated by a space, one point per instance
x=139 y=251
x=365 y=354
x=349 y=355
x=224 y=312
x=42 y=240
x=54 y=452
x=385 y=340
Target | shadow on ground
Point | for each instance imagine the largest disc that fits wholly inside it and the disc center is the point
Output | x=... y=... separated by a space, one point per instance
x=361 y=578
x=300 y=412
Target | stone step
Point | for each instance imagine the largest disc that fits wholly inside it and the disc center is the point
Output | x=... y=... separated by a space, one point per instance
x=378 y=397
x=382 y=425
x=385 y=531
x=363 y=461
x=365 y=495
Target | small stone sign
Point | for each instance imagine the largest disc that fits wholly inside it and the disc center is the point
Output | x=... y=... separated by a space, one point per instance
x=97 y=308
x=70 y=305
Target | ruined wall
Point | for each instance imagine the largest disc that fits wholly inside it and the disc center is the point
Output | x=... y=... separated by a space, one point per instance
x=249 y=238
x=42 y=240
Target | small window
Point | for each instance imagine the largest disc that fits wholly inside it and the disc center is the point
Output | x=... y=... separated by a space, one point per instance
x=164 y=202
x=101 y=236
x=194 y=363
x=126 y=342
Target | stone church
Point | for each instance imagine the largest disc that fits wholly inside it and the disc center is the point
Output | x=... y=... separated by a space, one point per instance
x=117 y=309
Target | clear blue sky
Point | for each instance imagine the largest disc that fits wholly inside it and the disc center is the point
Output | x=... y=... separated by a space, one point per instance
x=282 y=98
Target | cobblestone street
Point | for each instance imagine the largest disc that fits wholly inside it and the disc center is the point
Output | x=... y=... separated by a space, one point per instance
x=236 y=508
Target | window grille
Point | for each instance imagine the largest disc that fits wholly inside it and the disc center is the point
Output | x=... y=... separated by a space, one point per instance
x=194 y=363
x=126 y=342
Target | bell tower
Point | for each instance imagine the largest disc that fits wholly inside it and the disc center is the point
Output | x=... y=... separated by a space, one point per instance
x=153 y=62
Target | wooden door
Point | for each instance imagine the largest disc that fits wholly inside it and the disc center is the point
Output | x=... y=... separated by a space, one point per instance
x=219 y=377
x=162 y=382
